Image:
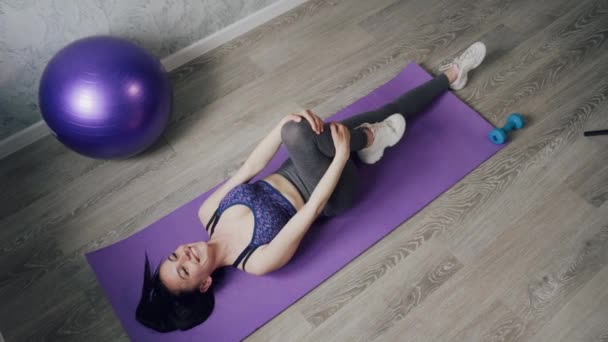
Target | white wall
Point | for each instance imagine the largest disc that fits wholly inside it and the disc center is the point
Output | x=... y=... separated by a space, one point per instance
x=32 y=31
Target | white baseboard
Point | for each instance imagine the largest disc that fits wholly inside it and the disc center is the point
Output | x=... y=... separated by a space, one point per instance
x=228 y=33
x=39 y=130
x=23 y=138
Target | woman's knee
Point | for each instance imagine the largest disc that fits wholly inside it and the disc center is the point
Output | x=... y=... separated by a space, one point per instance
x=293 y=132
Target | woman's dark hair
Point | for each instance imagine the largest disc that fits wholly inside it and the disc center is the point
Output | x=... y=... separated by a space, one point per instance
x=163 y=311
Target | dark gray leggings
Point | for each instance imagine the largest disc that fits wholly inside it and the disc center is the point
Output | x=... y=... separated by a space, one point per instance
x=310 y=154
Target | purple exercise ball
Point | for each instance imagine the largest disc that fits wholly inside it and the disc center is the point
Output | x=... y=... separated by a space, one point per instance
x=105 y=97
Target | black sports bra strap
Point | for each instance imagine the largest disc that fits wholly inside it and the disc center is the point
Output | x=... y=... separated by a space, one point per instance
x=248 y=255
x=241 y=256
x=213 y=222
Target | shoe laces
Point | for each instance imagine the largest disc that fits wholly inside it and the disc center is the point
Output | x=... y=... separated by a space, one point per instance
x=447 y=66
x=374 y=127
x=468 y=53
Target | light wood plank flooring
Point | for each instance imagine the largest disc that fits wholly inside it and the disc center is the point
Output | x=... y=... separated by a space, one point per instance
x=516 y=251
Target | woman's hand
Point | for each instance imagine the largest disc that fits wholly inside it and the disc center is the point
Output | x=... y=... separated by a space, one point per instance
x=341 y=137
x=315 y=121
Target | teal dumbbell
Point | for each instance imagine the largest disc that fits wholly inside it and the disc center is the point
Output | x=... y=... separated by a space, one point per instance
x=499 y=135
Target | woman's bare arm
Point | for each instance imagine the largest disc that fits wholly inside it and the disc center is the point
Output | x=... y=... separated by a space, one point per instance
x=257 y=161
x=265 y=150
x=281 y=249
x=268 y=147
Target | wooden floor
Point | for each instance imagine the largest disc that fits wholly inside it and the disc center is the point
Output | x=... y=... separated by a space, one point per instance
x=516 y=251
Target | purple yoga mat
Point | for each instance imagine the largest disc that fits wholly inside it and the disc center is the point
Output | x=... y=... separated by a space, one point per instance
x=439 y=148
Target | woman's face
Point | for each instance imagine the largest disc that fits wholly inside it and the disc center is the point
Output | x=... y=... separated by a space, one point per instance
x=189 y=267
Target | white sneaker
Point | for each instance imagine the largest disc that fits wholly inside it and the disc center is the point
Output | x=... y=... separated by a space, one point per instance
x=467 y=61
x=386 y=134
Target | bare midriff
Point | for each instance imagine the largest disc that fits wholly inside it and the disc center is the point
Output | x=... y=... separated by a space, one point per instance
x=286 y=188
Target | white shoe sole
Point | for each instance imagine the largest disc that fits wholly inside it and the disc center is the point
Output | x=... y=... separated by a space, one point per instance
x=463 y=73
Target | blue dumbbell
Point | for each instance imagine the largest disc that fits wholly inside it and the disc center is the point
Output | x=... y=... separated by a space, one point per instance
x=499 y=135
